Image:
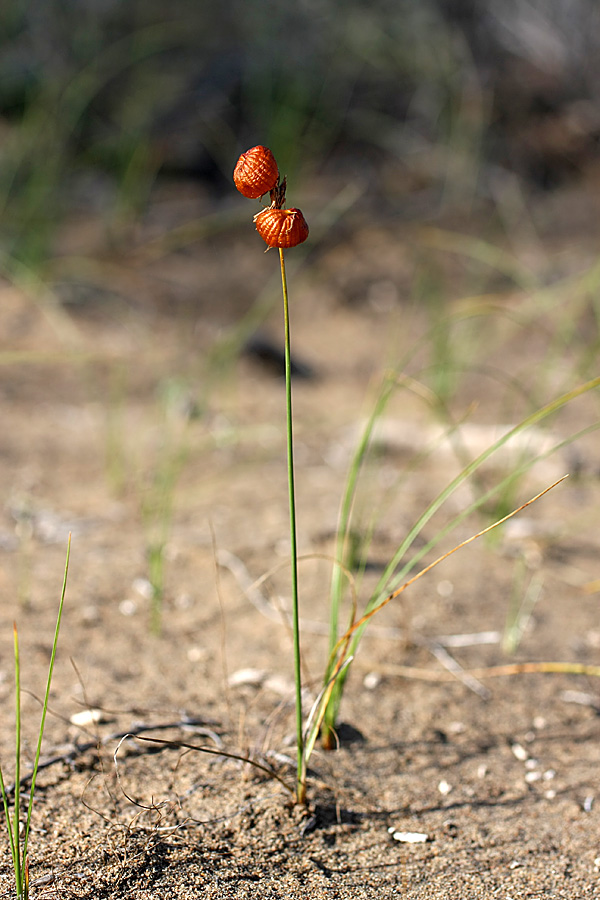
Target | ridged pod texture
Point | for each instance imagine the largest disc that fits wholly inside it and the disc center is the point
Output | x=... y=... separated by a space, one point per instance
x=281 y=227
x=256 y=172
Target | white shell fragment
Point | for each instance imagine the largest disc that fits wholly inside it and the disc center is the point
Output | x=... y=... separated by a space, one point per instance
x=87 y=717
x=128 y=607
x=519 y=752
x=253 y=677
x=371 y=681
x=408 y=837
x=280 y=685
x=143 y=587
x=531 y=777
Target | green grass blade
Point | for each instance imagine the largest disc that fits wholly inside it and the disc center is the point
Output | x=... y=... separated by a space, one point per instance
x=533 y=419
x=45 y=705
x=17 y=858
x=301 y=776
x=9 y=829
x=389 y=581
x=360 y=454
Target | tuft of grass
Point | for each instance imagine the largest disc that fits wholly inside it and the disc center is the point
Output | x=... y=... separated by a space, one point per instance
x=394 y=581
x=19 y=845
x=350 y=549
x=157 y=494
x=525 y=595
x=155 y=483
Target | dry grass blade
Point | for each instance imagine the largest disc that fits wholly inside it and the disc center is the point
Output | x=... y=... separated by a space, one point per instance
x=441 y=559
x=213 y=751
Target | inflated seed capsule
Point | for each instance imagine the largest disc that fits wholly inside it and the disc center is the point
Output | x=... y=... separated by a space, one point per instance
x=281 y=227
x=256 y=172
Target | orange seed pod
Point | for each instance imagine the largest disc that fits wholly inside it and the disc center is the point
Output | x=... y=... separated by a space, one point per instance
x=256 y=172
x=281 y=227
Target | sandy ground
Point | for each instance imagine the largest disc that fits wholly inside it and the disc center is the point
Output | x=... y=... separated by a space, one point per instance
x=118 y=404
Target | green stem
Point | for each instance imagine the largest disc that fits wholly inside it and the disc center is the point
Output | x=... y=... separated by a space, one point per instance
x=38 y=750
x=301 y=779
x=17 y=864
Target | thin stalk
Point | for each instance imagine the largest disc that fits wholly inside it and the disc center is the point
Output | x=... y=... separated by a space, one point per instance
x=17 y=866
x=390 y=579
x=18 y=853
x=301 y=776
x=38 y=749
x=343 y=528
x=372 y=610
x=338 y=574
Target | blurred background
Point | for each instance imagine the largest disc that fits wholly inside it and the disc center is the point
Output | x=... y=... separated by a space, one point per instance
x=419 y=103
x=445 y=154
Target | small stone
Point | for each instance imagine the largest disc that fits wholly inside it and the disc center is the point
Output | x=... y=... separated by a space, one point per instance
x=457 y=728
x=87 y=717
x=143 y=587
x=128 y=607
x=445 y=588
x=280 y=685
x=252 y=677
x=371 y=681
x=184 y=601
x=530 y=777
x=408 y=837
x=519 y=752
x=90 y=614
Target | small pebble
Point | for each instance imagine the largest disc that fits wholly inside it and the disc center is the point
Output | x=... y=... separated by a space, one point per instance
x=519 y=752
x=184 y=601
x=280 y=685
x=253 y=677
x=143 y=587
x=128 y=607
x=90 y=614
x=530 y=777
x=444 y=788
x=371 y=681
x=457 y=728
x=408 y=837
x=87 y=717
x=445 y=588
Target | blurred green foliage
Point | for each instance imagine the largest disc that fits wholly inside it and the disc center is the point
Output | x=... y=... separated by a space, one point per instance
x=98 y=96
